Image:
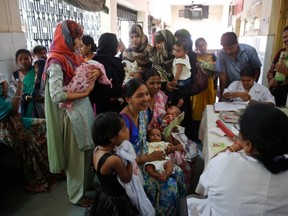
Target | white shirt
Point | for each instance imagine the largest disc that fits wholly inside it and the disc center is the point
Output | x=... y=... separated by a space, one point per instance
x=237 y=184
x=185 y=74
x=257 y=92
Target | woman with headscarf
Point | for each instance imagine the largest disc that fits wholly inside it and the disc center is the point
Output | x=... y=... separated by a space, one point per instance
x=139 y=48
x=105 y=98
x=162 y=57
x=69 y=138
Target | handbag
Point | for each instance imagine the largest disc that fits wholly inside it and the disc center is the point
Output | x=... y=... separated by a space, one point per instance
x=199 y=82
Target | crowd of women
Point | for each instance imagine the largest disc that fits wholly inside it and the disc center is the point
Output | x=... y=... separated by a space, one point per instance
x=63 y=143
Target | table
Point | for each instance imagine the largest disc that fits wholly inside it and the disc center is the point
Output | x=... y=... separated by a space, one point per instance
x=208 y=121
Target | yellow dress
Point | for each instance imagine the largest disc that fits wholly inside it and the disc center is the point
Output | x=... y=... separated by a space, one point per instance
x=208 y=96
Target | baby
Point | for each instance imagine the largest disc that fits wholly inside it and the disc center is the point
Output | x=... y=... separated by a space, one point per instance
x=132 y=70
x=160 y=170
x=164 y=120
x=80 y=81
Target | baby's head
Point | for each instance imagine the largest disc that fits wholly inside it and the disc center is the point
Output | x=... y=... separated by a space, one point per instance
x=154 y=135
x=173 y=110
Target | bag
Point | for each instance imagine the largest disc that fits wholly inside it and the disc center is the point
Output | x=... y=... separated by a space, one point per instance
x=199 y=83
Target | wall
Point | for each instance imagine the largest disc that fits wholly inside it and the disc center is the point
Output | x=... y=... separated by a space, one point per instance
x=11 y=35
x=211 y=29
x=258 y=28
x=109 y=21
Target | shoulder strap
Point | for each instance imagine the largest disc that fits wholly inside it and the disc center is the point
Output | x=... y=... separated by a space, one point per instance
x=102 y=160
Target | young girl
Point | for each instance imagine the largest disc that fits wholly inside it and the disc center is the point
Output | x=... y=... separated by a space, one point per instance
x=109 y=130
x=181 y=69
x=26 y=74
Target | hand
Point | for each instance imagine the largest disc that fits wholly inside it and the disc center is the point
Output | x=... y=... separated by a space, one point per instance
x=136 y=75
x=244 y=96
x=281 y=68
x=170 y=87
x=272 y=83
x=94 y=74
x=157 y=155
x=174 y=82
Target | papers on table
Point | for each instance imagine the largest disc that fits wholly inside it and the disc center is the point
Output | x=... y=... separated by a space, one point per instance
x=230 y=106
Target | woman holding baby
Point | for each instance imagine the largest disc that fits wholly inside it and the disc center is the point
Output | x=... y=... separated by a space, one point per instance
x=165 y=195
x=139 y=48
x=69 y=139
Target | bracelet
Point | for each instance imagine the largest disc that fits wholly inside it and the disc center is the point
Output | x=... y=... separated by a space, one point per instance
x=17 y=97
x=231 y=148
x=148 y=158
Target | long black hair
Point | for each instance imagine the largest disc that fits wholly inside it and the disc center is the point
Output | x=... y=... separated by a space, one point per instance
x=105 y=127
x=265 y=127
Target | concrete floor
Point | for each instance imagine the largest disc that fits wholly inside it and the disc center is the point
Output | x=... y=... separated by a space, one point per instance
x=15 y=201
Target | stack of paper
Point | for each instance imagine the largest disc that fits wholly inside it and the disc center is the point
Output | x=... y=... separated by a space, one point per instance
x=230 y=106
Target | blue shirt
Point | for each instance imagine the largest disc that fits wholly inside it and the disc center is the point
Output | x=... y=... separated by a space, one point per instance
x=247 y=55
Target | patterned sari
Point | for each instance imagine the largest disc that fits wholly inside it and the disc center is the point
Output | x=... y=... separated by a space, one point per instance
x=164 y=196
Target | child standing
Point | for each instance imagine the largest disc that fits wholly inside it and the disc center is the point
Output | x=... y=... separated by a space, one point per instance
x=181 y=70
x=109 y=130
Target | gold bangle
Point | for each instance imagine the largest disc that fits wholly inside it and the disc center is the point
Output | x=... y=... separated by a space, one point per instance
x=231 y=148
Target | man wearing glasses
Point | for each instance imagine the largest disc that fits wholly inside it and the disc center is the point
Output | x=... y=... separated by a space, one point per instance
x=233 y=58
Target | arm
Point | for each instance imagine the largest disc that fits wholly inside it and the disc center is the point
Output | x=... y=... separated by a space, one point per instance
x=270 y=76
x=124 y=173
x=230 y=95
x=223 y=81
x=17 y=98
x=56 y=86
x=154 y=156
x=179 y=68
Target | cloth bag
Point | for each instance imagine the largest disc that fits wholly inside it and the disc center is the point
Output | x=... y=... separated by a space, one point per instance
x=199 y=83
